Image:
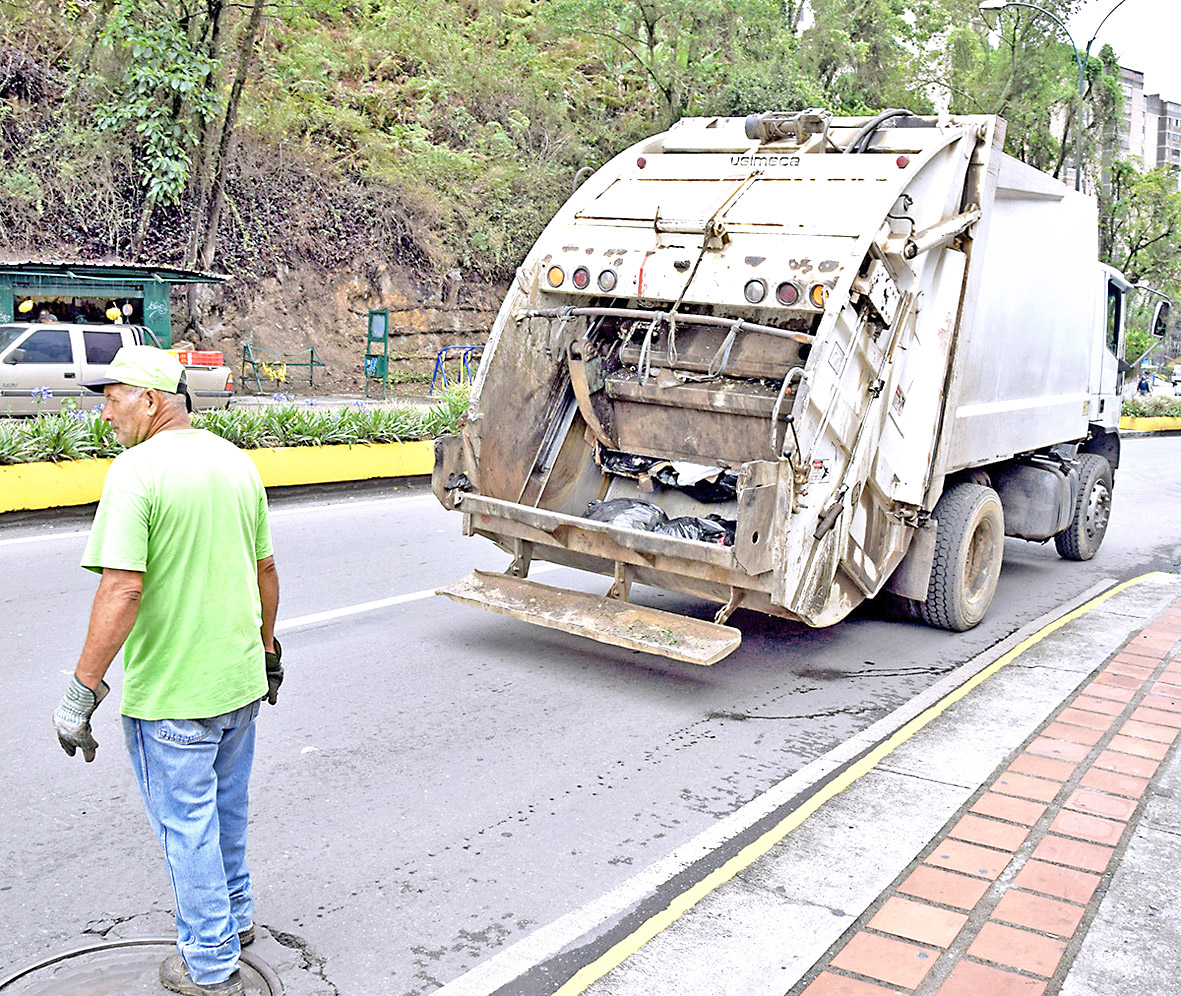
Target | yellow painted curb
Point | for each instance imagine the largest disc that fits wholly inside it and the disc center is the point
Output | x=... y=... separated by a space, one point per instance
x=26 y=486
x=288 y=465
x=51 y=485
x=1150 y=423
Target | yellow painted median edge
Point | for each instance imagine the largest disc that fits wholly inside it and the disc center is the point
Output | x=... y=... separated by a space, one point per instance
x=28 y=486
x=616 y=955
x=1150 y=423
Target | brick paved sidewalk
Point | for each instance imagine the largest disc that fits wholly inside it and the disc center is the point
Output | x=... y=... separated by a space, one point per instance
x=1001 y=898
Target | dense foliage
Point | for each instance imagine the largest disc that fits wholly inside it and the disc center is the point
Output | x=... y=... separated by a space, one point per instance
x=78 y=435
x=444 y=132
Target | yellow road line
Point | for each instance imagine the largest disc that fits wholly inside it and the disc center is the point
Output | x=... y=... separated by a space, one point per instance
x=618 y=953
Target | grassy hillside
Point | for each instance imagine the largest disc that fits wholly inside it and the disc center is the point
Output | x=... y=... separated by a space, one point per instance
x=442 y=134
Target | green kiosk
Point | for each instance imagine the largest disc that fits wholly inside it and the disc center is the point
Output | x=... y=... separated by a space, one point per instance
x=140 y=294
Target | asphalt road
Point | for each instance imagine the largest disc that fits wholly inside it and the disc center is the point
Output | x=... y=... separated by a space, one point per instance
x=438 y=782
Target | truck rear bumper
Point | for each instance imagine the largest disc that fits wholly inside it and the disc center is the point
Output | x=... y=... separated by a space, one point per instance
x=606 y=620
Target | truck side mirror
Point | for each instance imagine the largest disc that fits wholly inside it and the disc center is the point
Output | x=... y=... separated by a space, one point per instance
x=16 y=356
x=1160 y=319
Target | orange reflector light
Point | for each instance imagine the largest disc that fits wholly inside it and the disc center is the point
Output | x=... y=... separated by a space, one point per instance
x=581 y=278
x=554 y=276
x=818 y=295
x=787 y=293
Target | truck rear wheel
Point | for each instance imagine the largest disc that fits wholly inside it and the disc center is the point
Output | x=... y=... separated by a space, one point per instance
x=1092 y=510
x=969 y=546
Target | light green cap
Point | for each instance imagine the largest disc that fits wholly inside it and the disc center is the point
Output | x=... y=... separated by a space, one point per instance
x=143 y=366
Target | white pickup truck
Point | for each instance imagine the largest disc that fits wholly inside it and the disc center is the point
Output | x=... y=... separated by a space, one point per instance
x=43 y=364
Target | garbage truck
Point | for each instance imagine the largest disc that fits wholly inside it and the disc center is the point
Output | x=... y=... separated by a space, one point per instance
x=789 y=363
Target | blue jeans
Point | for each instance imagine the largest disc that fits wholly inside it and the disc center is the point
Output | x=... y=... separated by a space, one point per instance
x=194 y=775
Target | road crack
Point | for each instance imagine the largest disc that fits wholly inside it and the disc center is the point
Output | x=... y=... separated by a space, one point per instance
x=102 y=927
x=314 y=963
x=740 y=717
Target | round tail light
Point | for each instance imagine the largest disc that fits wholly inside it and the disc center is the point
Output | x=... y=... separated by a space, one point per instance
x=554 y=276
x=787 y=293
x=607 y=280
x=818 y=295
x=581 y=278
x=755 y=291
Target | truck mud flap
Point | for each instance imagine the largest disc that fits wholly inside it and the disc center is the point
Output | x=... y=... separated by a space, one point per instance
x=607 y=620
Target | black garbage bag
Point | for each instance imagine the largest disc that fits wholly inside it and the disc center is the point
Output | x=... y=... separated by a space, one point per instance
x=627 y=464
x=711 y=529
x=709 y=490
x=633 y=513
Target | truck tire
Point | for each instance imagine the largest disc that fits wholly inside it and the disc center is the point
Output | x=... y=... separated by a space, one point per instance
x=969 y=547
x=1092 y=510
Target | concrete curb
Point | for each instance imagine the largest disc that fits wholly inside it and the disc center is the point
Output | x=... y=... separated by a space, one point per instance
x=26 y=486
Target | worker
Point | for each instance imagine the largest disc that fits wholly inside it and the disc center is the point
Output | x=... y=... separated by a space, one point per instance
x=189 y=589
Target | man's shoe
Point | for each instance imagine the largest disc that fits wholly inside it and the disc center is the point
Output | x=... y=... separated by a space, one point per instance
x=246 y=936
x=174 y=975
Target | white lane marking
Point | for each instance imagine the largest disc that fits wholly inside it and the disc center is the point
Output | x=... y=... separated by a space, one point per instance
x=347 y=503
x=80 y=534
x=275 y=514
x=592 y=919
x=381 y=603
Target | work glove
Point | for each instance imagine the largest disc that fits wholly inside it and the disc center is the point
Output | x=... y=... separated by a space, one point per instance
x=71 y=719
x=274 y=672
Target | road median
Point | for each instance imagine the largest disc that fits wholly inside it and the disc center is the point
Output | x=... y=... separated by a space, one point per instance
x=31 y=486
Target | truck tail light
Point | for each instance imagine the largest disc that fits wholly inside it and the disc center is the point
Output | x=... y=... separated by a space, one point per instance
x=607 y=280
x=554 y=276
x=818 y=295
x=581 y=278
x=755 y=291
x=787 y=293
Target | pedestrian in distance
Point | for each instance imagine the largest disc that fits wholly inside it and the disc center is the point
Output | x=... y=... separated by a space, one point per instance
x=1142 y=387
x=189 y=590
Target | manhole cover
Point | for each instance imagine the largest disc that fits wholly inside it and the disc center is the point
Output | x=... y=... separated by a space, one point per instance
x=121 y=968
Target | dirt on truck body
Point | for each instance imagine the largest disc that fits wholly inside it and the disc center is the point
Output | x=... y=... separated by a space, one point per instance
x=789 y=363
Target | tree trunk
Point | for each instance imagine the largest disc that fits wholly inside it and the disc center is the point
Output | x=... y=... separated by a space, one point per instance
x=221 y=162
x=100 y=22
x=141 y=231
x=205 y=164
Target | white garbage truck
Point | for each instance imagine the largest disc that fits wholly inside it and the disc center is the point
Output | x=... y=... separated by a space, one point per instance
x=789 y=363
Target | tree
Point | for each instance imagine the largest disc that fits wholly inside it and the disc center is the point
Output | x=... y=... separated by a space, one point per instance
x=163 y=99
x=1140 y=225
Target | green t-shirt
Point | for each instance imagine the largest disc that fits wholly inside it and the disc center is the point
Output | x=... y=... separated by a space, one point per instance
x=187 y=509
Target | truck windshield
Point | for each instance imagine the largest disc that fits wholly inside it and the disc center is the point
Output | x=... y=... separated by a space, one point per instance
x=9 y=333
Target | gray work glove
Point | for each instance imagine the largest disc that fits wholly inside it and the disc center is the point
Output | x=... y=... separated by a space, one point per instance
x=274 y=672
x=71 y=719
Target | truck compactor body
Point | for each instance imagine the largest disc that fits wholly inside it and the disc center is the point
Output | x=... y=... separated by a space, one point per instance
x=817 y=358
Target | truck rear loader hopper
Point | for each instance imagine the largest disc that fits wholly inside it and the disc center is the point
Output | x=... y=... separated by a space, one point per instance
x=844 y=356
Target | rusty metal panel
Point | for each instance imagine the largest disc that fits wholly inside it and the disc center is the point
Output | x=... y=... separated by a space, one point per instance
x=605 y=620
x=753 y=547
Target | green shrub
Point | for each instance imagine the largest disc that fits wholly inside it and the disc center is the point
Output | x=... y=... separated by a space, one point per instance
x=1152 y=407
x=77 y=435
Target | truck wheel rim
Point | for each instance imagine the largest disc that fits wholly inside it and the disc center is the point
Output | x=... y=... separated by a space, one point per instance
x=1098 y=510
x=978 y=566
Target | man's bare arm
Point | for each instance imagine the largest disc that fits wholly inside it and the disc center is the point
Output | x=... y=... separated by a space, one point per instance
x=268 y=590
x=116 y=604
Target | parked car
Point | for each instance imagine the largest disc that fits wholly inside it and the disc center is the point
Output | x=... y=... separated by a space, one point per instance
x=41 y=364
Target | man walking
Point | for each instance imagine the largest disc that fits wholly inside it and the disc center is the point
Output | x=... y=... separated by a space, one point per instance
x=189 y=590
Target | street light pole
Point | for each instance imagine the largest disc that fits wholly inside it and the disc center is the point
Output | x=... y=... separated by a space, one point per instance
x=1078 y=142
